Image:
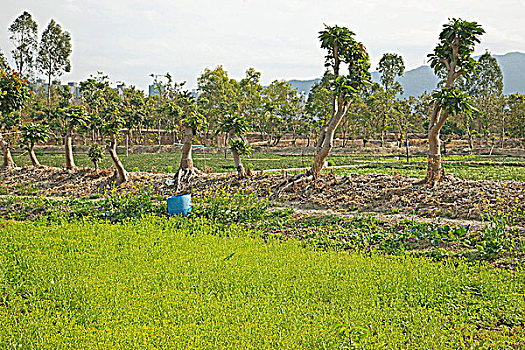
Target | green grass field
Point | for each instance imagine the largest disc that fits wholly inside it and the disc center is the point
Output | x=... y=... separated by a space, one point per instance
x=180 y=283
x=169 y=162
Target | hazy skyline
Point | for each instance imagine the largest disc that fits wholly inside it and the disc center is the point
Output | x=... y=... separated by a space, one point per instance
x=130 y=39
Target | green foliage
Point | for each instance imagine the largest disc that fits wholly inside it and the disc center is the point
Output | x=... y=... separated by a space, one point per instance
x=454 y=101
x=391 y=66
x=23 y=34
x=456 y=44
x=96 y=153
x=195 y=121
x=240 y=147
x=119 y=205
x=497 y=237
x=488 y=80
x=54 y=51
x=226 y=206
x=234 y=124
x=14 y=93
x=219 y=93
x=34 y=133
x=4 y=65
x=318 y=105
x=338 y=41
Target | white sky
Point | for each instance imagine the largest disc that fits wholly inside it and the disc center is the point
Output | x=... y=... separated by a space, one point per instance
x=130 y=39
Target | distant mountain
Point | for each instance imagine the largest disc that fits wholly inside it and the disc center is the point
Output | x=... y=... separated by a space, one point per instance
x=513 y=67
x=303 y=86
x=421 y=79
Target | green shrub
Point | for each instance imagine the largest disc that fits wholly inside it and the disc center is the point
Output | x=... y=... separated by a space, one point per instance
x=228 y=206
x=136 y=202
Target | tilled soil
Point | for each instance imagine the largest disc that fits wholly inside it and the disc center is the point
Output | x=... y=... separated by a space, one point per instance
x=452 y=198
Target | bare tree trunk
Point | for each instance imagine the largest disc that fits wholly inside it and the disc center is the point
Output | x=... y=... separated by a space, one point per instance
x=160 y=134
x=186 y=161
x=186 y=169
x=434 y=169
x=70 y=162
x=502 y=136
x=238 y=164
x=32 y=156
x=6 y=151
x=470 y=141
x=326 y=140
x=383 y=130
x=49 y=89
x=122 y=173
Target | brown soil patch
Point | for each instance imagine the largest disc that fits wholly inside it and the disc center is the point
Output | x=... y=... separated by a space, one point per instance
x=452 y=199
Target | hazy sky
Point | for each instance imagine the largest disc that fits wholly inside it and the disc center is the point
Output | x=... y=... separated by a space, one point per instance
x=130 y=39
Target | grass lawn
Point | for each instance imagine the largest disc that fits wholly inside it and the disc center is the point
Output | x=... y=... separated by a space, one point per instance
x=181 y=283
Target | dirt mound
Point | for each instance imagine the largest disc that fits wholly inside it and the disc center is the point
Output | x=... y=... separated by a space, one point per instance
x=80 y=182
x=452 y=198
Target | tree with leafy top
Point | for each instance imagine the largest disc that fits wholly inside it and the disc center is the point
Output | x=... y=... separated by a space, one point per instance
x=53 y=55
x=14 y=93
x=74 y=117
x=24 y=32
x=452 y=57
x=343 y=50
x=32 y=134
x=390 y=66
x=96 y=154
x=236 y=126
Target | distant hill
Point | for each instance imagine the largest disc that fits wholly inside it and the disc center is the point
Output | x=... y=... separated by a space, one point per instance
x=303 y=86
x=421 y=79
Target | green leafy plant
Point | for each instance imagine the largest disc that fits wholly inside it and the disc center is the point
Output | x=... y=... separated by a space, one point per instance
x=96 y=154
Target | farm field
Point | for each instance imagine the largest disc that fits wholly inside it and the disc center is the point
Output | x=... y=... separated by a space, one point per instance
x=376 y=206
x=475 y=167
x=178 y=283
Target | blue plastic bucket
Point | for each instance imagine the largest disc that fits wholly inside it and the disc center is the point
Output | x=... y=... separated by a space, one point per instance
x=180 y=204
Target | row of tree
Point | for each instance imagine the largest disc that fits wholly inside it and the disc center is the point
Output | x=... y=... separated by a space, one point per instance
x=344 y=100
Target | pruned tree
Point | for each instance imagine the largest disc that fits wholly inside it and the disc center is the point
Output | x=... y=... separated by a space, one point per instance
x=32 y=134
x=54 y=53
x=452 y=57
x=113 y=122
x=96 y=154
x=14 y=93
x=342 y=49
x=236 y=126
x=23 y=34
x=193 y=122
x=74 y=117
